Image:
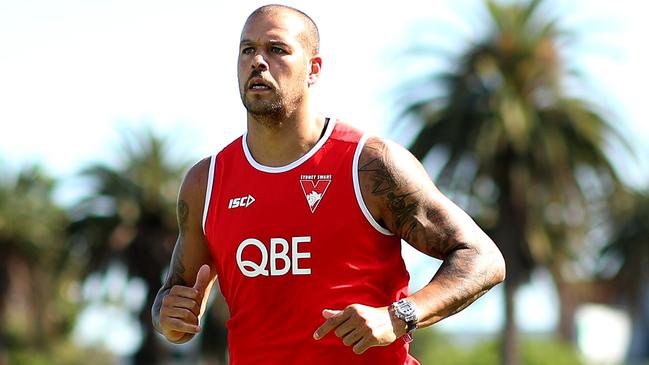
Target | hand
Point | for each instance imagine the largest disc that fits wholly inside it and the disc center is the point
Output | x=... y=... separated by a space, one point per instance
x=181 y=308
x=362 y=326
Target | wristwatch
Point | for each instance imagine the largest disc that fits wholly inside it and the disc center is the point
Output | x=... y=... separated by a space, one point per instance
x=406 y=311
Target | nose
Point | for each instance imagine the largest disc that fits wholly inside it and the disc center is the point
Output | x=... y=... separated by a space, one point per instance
x=259 y=63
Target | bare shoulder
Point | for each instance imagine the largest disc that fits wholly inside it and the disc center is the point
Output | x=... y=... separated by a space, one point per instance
x=195 y=180
x=191 y=198
x=385 y=166
x=391 y=181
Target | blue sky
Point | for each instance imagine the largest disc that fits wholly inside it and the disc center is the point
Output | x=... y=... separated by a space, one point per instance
x=75 y=72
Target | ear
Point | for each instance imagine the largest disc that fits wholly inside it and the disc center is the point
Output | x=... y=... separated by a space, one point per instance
x=314 y=71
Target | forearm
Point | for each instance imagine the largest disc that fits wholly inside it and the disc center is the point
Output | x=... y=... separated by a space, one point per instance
x=464 y=276
x=402 y=197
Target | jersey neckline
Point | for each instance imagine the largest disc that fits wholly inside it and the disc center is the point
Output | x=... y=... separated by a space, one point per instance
x=294 y=164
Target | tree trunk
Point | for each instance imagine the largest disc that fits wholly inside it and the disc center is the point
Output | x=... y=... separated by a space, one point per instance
x=39 y=303
x=511 y=239
x=510 y=349
x=568 y=302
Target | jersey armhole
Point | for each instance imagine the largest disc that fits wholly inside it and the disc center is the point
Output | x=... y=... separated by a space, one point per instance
x=208 y=191
x=357 y=189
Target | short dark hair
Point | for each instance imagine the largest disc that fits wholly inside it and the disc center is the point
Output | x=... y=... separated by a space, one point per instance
x=310 y=37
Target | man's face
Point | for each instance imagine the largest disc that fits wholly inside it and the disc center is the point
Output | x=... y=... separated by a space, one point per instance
x=273 y=66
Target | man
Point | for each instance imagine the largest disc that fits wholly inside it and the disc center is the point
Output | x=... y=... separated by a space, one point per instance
x=301 y=219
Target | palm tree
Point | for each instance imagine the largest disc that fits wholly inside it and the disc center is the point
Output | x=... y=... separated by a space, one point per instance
x=516 y=144
x=130 y=218
x=629 y=244
x=32 y=228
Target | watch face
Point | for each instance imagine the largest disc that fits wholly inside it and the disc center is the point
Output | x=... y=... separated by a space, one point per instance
x=405 y=307
x=405 y=310
x=408 y=309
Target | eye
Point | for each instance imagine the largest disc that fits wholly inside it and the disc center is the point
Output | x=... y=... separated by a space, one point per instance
x=248 y=50
x=277 y=50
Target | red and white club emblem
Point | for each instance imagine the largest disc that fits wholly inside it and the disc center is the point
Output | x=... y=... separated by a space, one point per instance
x=314 y=188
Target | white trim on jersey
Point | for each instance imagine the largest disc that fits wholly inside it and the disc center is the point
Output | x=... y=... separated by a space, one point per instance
x=294 y=164
x=357 y=189
x=208 y=190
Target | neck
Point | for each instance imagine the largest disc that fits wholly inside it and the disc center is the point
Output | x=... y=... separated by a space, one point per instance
x=278 y=141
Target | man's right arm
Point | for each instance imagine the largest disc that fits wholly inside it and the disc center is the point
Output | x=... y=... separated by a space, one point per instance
x=181 y=301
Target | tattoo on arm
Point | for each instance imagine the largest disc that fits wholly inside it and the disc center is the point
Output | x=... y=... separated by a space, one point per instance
x=407 y=210
x=388 y=183
x=406 y=203
x=177 y=268
x=183 y=212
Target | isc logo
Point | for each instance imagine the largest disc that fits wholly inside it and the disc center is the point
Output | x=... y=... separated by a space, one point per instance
x=244 y=202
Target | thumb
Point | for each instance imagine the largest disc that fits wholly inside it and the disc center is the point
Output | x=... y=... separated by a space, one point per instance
x=328 y=313
x=202 y=279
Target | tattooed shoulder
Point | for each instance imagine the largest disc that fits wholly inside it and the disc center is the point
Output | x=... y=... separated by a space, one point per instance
x=389 y=186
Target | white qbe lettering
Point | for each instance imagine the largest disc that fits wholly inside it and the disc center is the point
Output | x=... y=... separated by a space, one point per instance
x=278 y=252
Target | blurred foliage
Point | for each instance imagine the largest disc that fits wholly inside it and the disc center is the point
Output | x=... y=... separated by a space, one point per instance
x=30 y=221
x=524 y=157
x=129 y=217
x=432 y=347
x=629 y=242
x=518 y=147
x=32 y=244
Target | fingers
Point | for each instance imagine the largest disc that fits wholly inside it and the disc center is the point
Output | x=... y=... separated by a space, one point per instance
x=182 y=314
x=352 y=337
x=345 y=328
x=328 y=313
x=334 y=319
x=178 y=325
x=179 y=319
x=169 y=302
x=202 y=279
x=184 y=292
x=362 y=346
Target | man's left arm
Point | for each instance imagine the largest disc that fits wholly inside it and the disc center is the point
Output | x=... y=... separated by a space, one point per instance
x=402 y=198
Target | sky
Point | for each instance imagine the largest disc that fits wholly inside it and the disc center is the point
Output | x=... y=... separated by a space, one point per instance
x=74 y=73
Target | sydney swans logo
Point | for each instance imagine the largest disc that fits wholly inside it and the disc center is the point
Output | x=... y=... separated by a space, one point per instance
x=314 y=188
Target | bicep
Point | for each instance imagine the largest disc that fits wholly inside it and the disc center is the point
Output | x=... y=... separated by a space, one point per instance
x=191 y=250
x=402 y=197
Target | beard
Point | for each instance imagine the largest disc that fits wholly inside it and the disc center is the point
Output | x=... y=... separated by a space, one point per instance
x=272 y=107
x=258 y=106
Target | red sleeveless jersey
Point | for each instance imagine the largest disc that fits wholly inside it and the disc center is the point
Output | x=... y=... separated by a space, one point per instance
x=290 y=241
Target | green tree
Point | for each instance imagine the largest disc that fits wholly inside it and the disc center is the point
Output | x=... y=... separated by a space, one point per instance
x=32 y=231
x=130 y=217
x=517 y=145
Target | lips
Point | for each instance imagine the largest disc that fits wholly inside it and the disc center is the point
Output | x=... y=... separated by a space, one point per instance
x=259 y=84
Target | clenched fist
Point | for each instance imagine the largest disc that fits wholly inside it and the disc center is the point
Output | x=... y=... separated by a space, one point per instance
x=182 y=306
